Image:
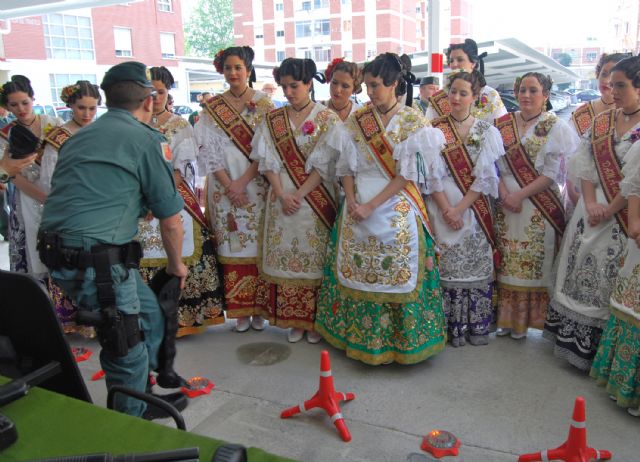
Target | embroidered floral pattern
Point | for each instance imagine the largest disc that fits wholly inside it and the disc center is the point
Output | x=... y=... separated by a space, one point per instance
x=374 y=262
x=294 y=256
x=521 y=259
x=591 y=273
x=626 y=291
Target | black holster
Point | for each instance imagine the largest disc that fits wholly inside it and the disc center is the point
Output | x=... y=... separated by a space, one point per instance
x=117 y=331
x=167 y=289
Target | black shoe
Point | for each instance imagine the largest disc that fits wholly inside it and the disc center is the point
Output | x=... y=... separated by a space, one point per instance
x=170 y=380
x=177 y=400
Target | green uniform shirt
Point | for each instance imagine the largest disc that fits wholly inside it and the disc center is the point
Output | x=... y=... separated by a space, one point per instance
x=106 y=177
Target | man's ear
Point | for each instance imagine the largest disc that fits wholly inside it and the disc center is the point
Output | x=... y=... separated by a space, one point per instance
x=148 y=104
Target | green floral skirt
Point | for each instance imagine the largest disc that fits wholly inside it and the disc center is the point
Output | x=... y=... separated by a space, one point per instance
x=617 y=363
x=382 y=332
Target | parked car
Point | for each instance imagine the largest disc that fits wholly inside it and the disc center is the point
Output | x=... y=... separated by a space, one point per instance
x=183 y=111
x=558 y=103
x=587 y=95
x=45 y=109
x=510 y=102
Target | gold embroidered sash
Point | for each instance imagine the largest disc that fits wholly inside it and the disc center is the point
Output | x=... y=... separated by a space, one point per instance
x=583 y=118
x=607 y=165
x=191 y=204
x=232 y=123
x=294 y=161
x=373 y=132
x=440 y=102
x=523 y=169
x=460 y=165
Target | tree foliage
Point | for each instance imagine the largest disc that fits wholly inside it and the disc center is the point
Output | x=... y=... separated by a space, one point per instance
x=209 y=28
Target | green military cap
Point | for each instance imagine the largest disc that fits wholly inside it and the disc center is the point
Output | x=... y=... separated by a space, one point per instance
x=128 y=71
x=431 y=80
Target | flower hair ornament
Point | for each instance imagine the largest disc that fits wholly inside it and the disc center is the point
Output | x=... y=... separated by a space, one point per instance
x=329 y=71
x=69 y=92
x=217 y=61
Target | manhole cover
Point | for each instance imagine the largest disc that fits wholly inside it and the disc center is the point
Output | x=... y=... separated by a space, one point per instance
x=263 y=353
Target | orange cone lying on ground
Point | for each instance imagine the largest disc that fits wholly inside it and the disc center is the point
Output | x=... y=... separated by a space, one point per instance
x=575 y=449
x=326 y=398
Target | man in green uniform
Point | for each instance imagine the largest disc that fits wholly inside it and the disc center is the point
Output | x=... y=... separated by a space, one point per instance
x=108 y=175
x=428 y=87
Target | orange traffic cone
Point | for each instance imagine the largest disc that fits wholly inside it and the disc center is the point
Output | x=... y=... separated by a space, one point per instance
x=575 y=449
x=326 y=398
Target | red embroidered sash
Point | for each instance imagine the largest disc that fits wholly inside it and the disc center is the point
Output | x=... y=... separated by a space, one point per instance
x=191 y=204
x=57 y=137
x=374 y=135
x=607 y=165
x=232 y=123
x=440 y=102
x=294 y=161
x=583 y=118
x=524 y=171
x=460 y=165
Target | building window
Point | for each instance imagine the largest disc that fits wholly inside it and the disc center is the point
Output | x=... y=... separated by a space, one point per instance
x=279 y=56
x=58 y=81
x=165 y=5
x=591 y=55
x=306 y=6
x=346 y=25
x=68 y=37
x=279 y=33
x=346 y=2
x=371 y=53
x=259 y=36
x=303 y=29
x=348 y=55
x=322 y=54
x=322 y=27
x=122 y=39
x=279 y=6
x=167 y=45
x=320 y=3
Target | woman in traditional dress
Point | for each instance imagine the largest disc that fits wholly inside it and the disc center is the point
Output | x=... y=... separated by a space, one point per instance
x=301 y=205
x=458 y=191
x=582 y=117
x=236 y=192
x=345 y=80
x=530 y=214
x=380 y=298
x=201 y=301
x=26 y=201
x=594 y=246
x=83 y=99
x=488 y=105
x=617 y=362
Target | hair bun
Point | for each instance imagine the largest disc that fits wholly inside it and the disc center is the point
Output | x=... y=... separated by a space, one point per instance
x=21 y=79
x=472 y=45
x=405 y=61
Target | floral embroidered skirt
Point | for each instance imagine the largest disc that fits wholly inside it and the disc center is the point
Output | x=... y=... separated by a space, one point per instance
x=288 y=305
x=381 y=332
x=616 y=365
x=526 y=242
x=242 y=285
x=588 y=265
x=617 y=362
x=201 y=303
x=469 y=313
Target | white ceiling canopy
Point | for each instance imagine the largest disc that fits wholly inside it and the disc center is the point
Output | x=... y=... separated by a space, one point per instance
x=507 y=59
x=13 y=9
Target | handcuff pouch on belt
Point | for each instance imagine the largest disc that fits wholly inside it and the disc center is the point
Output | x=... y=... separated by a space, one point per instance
x=117 y=331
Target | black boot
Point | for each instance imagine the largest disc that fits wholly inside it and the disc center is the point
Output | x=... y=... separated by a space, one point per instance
x=177 y=400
